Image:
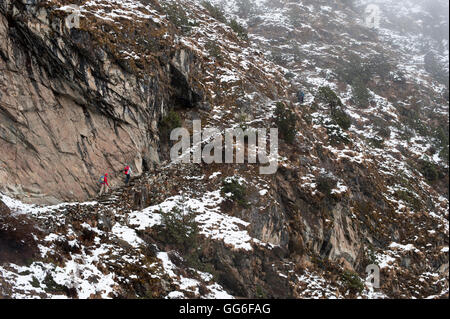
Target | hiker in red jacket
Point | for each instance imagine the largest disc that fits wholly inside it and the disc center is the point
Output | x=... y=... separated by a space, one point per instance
x=127 y=174
x=104 y=184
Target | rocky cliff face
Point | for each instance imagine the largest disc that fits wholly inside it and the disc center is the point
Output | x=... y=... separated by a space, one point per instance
x=74 y=108
x=363 y=163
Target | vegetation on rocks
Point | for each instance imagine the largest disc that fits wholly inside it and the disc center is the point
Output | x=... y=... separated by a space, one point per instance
x=170 y=122
x=295 y=15
x=341 y=118
x=214 y=50
x=356 y=69
x=180 y=229
x=52 y=286
x=352 y=282
x=178 y=17
x=238 y=192
x=410 y=199
x=382 y=128
x=429 y=170
x=376 y=142
x=215 y=11
x=286 y=121
x=358 y=72
x=361 y=95
x=239 y=29
x=442 y=141
x=326 y=183
x=327 y=96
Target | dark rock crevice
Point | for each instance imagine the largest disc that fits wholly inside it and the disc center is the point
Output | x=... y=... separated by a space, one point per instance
x=183 y=97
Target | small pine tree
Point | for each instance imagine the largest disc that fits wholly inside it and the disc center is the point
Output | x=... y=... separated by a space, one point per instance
x=180 y=229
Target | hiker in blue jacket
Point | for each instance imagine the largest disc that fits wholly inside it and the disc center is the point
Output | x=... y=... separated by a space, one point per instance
x=301 y=97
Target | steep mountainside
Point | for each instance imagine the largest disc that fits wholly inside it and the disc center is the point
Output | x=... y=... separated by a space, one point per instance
x=363 y=162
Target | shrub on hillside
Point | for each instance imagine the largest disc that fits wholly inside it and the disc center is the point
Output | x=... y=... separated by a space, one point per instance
x=214 y=50
x=295 y=15
x=412 y=117
x=444 y=154
x=239 y=29
x=278 y=57
x=341 y=118
x=238 y=192
x=328 y=96
x=361 y=95
x=442 y=141
x=170 y=122
x=355 y=68
x=180 y=229
x=349 y=3
x=214 y=11
x=352 y=282
x=289 y=75
x=429 y=171
x=376 y=142
x=378 y=65
x=363 y=208
x=382 y=128
x=410 y=199
x=326 y=183
x=177 y=16
x=436 y=68
x=286 y=122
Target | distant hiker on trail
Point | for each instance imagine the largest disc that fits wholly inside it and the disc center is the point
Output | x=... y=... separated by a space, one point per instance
x=127 y=174
x=301 y=97
x=104 y=184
